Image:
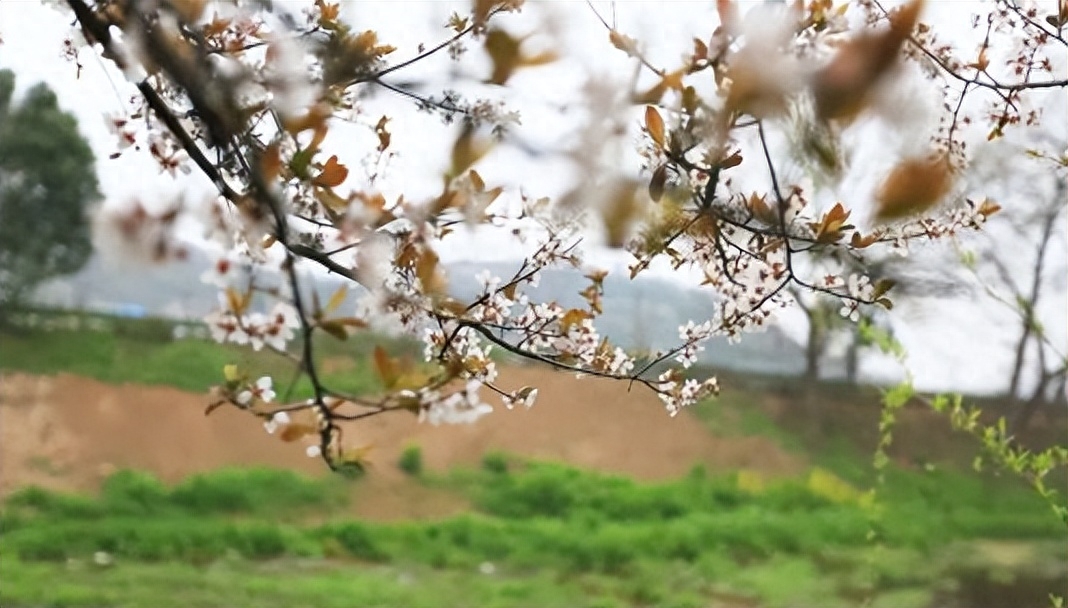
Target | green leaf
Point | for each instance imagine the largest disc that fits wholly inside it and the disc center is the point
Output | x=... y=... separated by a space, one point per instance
x=300 y=162
x=336 y=300
x=899 y=395
x=334 y=328
x=231 y=373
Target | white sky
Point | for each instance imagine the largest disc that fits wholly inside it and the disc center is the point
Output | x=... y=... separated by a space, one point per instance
x=952 y=344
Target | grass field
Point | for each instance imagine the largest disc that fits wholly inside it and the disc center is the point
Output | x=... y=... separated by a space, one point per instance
x=536 y=534
x=539 y=534
x=142 y=351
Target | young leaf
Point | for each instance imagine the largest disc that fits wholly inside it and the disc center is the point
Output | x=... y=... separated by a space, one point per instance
x=830 y=227
x=271 y=162
x=672 y=81
x=334 y=328
x=883 y=286
x=237 y=301
x=328 y=14
x=860 y=242
x=294 y=431
x=384 y=136
x=230 y=373
x=988 y=208
x=656 y=184
x=620 y=212
x=654 y=124
x=507 y=56
x=733 y=160
x=426 y=269
x=336 y=300
x=842 y=88
x=573 y=318
x=466 y=151
x=385 y=367
x=914 y=186
x=354 y=322
x=333 y=174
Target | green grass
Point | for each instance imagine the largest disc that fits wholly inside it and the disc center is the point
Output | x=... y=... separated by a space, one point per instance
x=281 y=584
x=737 y=412
x=141 y=351
x=553 y=535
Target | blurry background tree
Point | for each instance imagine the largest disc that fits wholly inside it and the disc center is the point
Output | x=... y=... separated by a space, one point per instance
x=47 y=178
x=915 y=278
x=1028 y=278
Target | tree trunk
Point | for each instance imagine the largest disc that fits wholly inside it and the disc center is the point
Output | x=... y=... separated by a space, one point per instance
x=814 y=346
x=852 y=358
x=1021 y=352
x=1029 y=302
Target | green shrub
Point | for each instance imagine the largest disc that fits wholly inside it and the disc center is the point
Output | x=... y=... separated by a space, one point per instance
x=357 y=540
x=133 y=492
x=411 y=460
x=539 y=491
x=257 y=540
x=254 y=490
x=11 y=520
x=38 y=545
x=52 y=504
x=495 y=462
x=148 y=329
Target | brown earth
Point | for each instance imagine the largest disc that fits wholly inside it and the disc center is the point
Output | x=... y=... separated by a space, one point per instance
x=68 y=433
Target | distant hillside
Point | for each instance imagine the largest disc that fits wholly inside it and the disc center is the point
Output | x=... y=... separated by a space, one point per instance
x=640 y=314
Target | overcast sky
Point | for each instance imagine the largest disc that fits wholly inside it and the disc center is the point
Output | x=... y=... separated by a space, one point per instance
x=954 y=344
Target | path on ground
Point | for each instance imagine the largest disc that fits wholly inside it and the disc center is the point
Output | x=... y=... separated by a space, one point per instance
x=68 y=433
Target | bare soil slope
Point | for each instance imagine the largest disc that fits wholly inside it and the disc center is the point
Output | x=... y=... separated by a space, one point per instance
x=67 y=432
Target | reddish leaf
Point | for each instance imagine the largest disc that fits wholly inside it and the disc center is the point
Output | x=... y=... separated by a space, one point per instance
x=333 y=174
x=841 y=89
x=731 y=161
x=294 y=431
x=860 y=242
x=914 y=186
x=384 y=136
x=654 y=124
x=271 y=162
x=386 y=367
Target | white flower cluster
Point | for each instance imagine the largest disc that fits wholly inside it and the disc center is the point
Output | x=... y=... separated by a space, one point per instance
x=493 y=306
x=121 y=127
x=692 y=336
x=165 y=150
x=859 y=290
x=273 y=329
x=525 y=396
x=462 y=407
x=170 y=155
x=462 y=344
x=677 y=393
x=276 y=422
x=748 y=287
x=285 y=76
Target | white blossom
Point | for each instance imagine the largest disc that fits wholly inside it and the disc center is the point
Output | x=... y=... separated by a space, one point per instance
x=221 y=272
x=277 y=421
x=262 y=390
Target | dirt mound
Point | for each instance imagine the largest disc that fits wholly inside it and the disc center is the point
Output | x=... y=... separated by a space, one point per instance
x=68 y=432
